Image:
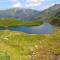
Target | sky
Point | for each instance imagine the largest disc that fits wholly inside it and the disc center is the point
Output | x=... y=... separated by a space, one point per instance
x=31 y=4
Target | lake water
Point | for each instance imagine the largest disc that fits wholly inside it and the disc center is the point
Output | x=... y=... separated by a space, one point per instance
x=45 y=28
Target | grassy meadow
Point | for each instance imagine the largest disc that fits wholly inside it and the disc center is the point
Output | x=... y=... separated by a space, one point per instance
x=22 y=46
x=9 y=22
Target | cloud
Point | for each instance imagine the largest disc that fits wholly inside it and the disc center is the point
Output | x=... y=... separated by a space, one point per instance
x=28 y=4
x=33 y=3
x=16 y=3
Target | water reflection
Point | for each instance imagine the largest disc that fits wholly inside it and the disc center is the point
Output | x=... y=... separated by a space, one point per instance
x=45 y=28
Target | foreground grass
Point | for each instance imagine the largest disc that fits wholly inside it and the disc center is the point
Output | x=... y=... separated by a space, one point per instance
x=23 y=46
x=8 y=22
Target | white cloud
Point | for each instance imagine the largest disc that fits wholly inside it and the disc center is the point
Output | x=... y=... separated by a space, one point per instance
x=16 y=3
x=33 y=3
x=28 y=4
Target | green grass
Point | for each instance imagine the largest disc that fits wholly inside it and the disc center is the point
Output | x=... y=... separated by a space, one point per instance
x=23 y=46
x=4 y=56
x=9 y=22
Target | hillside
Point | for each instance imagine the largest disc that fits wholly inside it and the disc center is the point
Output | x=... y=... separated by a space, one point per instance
x=19 y=13
x=49 y=13
x=55 y=20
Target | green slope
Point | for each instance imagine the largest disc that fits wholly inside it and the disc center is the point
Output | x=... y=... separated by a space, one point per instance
x=8 y=22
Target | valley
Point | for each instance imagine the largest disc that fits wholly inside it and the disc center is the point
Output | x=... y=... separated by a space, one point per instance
x=27 y=34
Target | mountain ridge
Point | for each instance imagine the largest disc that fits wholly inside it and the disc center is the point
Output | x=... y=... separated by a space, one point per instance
x=49 y=13
x=19 y=13
x=29 y=14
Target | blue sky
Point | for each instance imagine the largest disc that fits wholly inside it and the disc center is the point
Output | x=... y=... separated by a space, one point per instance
x=32 y=4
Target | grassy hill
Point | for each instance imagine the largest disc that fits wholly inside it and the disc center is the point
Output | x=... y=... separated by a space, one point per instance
x=47 y=14
x=55 y=20
x=23 y=46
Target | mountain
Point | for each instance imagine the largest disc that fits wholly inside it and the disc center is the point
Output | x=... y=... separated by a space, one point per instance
x=29 y=14
x=49 y=13
x=19 y=13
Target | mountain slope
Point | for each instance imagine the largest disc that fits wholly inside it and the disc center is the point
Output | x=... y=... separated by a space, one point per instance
x=29 y=14
x=49 y=13
x=20 y=13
